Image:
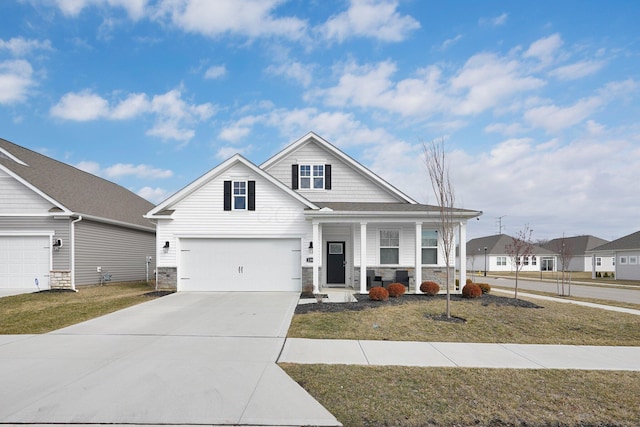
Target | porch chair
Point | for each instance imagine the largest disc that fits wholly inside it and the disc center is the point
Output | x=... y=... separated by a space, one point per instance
x=402 y=276
x=372 y=279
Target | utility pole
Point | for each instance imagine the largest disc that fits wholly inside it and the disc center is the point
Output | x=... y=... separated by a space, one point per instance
x=500 y=224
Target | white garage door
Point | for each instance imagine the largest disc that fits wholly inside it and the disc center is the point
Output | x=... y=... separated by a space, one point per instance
x=239 y=265
x=23 y=260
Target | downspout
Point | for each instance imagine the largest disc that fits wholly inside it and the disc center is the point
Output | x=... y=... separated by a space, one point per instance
x=73 y=252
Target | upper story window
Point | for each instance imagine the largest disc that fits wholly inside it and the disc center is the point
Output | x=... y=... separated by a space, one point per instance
x=312 y=177
x=429 y=247
x=239 y=195
x=309 y=176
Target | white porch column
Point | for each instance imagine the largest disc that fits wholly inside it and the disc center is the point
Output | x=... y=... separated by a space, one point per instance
x=317 y=256
x=417 y=275
x=462 y=239
x=363 y=257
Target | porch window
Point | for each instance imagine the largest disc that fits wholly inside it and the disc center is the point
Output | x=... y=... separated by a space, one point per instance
x=390 y=247
x=429 y=247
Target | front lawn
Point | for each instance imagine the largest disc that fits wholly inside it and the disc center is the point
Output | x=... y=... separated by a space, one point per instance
x=46 y=311
x=486 y=321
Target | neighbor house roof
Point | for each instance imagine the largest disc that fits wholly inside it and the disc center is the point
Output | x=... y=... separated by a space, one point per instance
x=496 y=245
x=71 y=190
x=578 y=245
x=629 y=242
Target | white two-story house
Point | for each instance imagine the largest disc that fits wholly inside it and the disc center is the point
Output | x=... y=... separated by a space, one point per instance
x=309 y=216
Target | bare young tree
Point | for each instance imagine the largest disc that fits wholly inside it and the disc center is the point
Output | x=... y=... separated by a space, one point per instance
x=521 y=246
x=438 y=169
x=565 y=252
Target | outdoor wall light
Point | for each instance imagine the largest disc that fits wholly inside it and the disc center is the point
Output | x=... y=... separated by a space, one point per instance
x=57 y=244
x=310 y=247
x=165 y=248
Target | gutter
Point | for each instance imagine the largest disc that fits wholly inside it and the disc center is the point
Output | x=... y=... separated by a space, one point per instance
x=73 y=252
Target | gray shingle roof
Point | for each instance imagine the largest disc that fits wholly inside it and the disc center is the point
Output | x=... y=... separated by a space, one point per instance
x=496 y=245
x=76 y=190
x=578 y=245
x=629 y=242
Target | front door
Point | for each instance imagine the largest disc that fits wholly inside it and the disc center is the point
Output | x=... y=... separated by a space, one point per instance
x=336 y=263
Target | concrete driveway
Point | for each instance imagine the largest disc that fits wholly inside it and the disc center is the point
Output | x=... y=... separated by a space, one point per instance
x=187 y=358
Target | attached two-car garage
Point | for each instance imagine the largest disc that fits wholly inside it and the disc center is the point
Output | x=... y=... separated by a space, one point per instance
x=222 y=265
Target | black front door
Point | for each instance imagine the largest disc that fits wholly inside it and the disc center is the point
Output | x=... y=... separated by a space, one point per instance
x=336 y=262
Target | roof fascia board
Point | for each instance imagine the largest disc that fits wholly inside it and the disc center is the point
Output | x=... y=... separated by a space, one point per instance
x=76 y=215
x=12 y=157
x=35 y=189
x=218 y=170
x=340 y=154
x=404 y=216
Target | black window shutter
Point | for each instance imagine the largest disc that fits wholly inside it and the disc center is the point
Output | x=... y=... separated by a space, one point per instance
x=227 y=195
x=327 y=177
x=294 y=177
x=251 y=205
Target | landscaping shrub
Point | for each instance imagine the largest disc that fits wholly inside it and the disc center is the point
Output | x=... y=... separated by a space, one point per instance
x=471 y=290
x=468 y=281
x=429 y=288
x=378 y=293
x=486 y=288
x=396 y=289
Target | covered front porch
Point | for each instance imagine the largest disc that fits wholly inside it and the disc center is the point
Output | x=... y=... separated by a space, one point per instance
x=357 y=248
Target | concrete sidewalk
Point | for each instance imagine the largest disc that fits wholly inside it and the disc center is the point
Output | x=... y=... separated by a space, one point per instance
x=468 y=355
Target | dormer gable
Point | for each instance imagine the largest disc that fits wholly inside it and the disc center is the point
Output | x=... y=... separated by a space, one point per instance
x=320 y=171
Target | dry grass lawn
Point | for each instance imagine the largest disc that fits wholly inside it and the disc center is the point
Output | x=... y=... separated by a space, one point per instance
x=555 y=323
x=446 y=397
x=46 y=311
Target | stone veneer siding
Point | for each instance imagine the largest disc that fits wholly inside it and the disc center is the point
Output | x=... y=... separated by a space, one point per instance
x=60 y=279
x=167 y=278
x=434 y=274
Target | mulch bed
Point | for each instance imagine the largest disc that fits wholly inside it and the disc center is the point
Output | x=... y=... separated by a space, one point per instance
x=364 y=302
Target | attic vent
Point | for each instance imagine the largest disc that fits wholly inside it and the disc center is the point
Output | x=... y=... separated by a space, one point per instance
x=8 y=156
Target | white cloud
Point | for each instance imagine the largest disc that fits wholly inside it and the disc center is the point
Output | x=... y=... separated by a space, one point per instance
x=450 y=42
x=16 y=78
x=174 y=117
x=215 y=72
x=495 y=21
x=554 y=118
x=370 y=18
x=89 y=167
x=294 y=70
x=577 y=70
x=82 y=106
x=72 y=8
x=229 y=151
x=154 y=195
x=140 y=171
x=249 y=18
x=545 y=50
x=19 y=46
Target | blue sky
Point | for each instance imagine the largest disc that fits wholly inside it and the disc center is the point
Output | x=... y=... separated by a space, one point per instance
x=538 y=102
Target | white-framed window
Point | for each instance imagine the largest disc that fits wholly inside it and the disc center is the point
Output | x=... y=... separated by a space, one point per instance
x=525 y=260
x=623 y=260
x=429 y=247
x=534 y=261
x=613 y=261
x=312 y=176
x=633 y=259
x=598 y=262
x=239 y=195
x=501 y=260
x=390 y=246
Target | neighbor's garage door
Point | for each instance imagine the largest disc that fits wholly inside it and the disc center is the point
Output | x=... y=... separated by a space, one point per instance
x=23 y=260
x=239 y=265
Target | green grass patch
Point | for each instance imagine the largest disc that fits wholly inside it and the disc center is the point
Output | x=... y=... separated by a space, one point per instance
x=46 y=311
x=555 y=323
x=439 y=397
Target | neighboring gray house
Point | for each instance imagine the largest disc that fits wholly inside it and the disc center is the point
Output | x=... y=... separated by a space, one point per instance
x=578 y=258
x=59 y=225
x=489 y=254
x=309 y=216
x=625 y=252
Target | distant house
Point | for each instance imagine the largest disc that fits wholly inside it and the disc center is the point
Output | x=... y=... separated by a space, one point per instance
x=625 y=253
x=61 y=227
x=490 y=254
x=579 y=259
x=310 y=216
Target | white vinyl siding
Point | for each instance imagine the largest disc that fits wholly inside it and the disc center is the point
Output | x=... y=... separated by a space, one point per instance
x=201 y=214
x=348 y=185
x=17 y=198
